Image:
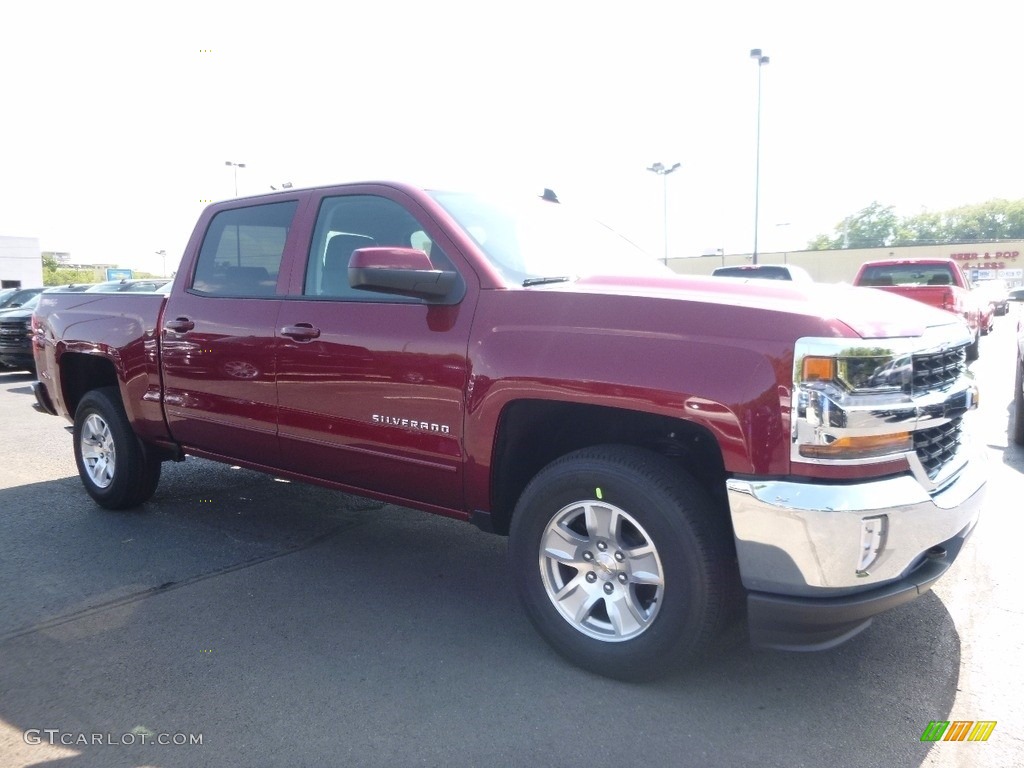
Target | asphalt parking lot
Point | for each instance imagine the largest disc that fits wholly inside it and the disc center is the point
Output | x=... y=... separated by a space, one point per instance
x=285 y=625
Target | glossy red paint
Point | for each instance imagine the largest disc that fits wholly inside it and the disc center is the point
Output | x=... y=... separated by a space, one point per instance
x=116 y=331
x=405 y=400
x=374 y=258
x=376 y=400
x=220 y=375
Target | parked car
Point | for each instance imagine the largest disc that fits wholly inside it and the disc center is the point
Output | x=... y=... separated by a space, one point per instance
x=146 y=285
x=16 y=326
x=766 y=272
x=939 y=283
x=16 y=335
x=70 y=287
x=996 y=294
x=17 y=297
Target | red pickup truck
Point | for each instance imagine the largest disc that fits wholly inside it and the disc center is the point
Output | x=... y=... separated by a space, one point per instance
x=656 y=447
x=936 y=282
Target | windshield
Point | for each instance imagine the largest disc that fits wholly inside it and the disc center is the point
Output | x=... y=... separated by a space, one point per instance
x=529 y=240
x=767 y=272
x=31 y=303
x=907 y=274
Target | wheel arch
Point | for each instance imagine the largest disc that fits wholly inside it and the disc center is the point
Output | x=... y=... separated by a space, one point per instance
x=80 y=374
x=533 y=433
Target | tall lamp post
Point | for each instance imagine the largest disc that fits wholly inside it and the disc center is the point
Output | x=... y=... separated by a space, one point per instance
x=756 y=55
x=236 y=166
x=663 y=171
x=163 y=255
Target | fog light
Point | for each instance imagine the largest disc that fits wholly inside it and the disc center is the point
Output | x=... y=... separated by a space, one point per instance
x=873 y=531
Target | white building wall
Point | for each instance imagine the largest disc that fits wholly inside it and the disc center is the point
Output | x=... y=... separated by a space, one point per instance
x=21 y=263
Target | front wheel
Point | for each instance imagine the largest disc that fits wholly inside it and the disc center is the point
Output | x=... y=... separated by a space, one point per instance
x=623 y=563
x=117 y=470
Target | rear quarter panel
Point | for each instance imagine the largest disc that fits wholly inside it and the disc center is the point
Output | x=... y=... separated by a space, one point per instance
x=120 y=328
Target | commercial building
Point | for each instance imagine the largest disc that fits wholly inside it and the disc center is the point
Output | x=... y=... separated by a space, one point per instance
x=981 y=261
x=21 y=264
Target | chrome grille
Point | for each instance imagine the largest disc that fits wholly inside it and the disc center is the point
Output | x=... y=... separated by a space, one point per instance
x=937 y=445
x=13 y=330
x=938 y=370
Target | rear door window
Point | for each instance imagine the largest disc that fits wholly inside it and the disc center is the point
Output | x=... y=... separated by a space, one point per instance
x=242 y=251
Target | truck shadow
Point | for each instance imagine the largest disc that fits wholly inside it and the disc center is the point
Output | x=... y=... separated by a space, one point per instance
x=291 y=625
x=17 y=382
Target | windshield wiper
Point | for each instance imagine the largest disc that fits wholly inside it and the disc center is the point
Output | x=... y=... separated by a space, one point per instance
x=542 y=280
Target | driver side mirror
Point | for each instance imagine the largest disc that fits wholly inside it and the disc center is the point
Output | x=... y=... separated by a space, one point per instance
x=404 y=272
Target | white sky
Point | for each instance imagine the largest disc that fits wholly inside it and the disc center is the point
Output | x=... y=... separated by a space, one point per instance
x=114 y=126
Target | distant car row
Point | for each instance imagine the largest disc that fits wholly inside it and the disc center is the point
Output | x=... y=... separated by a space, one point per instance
x=939 y=282
x=17 y=305
x=988 y=298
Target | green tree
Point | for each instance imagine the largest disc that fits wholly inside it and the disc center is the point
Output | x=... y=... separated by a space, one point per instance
x=871 y=227
x=54 y=273
x=994 y=220
x=66 y=276
x=877 y=226
x=924 y=228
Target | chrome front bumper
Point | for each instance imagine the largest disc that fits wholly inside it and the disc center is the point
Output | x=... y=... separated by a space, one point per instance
x=817 y=540
x=820 y=561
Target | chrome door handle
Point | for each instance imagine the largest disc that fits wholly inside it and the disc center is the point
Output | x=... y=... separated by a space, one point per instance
x=179 y=325
x=301 y=332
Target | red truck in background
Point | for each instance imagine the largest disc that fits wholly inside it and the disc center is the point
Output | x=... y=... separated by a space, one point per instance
x=937 y=282
x=656 y=447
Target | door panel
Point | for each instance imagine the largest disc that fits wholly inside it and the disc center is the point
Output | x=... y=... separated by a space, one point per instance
x=376 y=400
x=219 y=339
x=220 y=375
x=372 y=386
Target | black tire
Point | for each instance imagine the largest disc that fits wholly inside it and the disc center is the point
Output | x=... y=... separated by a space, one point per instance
x=117 y=470
x=1018 y=403
x=659 y=507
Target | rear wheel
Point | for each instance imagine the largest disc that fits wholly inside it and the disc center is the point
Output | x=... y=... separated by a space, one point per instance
x=117 y=470
x=623 y=563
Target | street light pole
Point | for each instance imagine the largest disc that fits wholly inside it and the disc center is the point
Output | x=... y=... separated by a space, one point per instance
x=755 y=53
x=236 y=166
x=661 y=170
x=163 y=255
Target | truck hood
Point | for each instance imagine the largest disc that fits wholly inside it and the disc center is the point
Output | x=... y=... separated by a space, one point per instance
x=868 y=313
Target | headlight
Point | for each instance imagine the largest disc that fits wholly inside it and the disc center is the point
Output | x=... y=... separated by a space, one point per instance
x=862 y=401
x=873 y=370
